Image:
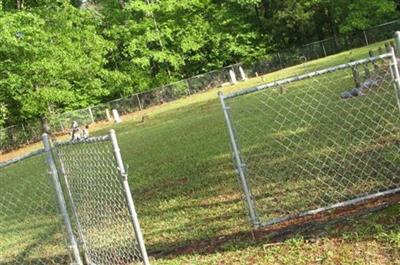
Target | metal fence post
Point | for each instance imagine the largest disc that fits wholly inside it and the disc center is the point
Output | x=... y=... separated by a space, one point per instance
x=323 y=48
x=188 y=85
x=25 y=134
x=61 y=201
x=280 y=60
x=128 y=195
x=239 y=163
x=140 y=103
x=366 y=38
x=91 y=115
x=356 y=75
x=396 y=76
x=397 y=41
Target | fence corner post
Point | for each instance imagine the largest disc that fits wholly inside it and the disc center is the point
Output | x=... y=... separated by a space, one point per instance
x=60 y=199
x=139 y=102
x=240 y=167
x=128 y=196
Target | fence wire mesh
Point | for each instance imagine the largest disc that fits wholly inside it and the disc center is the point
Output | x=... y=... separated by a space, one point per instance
x=93 y=183
x=16 y=136
x=317 y=142
x=31 y=229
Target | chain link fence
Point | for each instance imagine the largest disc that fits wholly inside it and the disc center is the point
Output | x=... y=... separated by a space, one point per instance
x=80 y=213
x=350 y=40
x=317 y=142
x=16 y=136
x=31 y=229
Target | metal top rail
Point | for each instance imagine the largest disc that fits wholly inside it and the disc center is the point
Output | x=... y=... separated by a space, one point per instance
x=318 y=41
x=305 y=76
x=81 y=141
x=384 y=24
x=40 y=151
x=20 y=158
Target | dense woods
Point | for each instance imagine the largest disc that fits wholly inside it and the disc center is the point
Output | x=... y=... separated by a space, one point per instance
x=60 y=55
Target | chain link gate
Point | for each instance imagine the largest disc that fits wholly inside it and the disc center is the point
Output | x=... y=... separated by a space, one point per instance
x=95 y=183
x=317 y=142
x=85 y=180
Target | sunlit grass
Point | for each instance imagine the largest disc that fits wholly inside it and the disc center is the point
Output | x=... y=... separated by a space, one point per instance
x=187 y=195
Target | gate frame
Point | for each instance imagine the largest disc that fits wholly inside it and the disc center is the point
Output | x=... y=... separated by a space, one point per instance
x=61 y=200
x=73 y=244
x=240 y=163
x=129 y=199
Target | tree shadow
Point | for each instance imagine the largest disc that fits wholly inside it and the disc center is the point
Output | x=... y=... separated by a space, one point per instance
x=188 y=173
x=29 y=253
x=358 y=220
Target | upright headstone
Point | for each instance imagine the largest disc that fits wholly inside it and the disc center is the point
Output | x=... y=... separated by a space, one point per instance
x=108 y=115
x=243 y=75
x=116 y=116
x=232 y=76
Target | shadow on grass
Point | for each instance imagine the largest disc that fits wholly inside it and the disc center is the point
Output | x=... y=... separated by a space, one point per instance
x=183 y=155
x=59 y=260
x=28 y=253
x=376 y=218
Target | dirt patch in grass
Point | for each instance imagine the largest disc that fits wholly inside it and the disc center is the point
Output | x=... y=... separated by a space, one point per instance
x=308 y=227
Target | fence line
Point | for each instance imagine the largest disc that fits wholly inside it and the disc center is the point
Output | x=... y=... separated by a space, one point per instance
x=307 y=137
x=306 y=76
x=78 y=205
x=18 y=135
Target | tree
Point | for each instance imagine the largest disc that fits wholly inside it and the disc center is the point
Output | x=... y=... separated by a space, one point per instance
x=365 y=14
x=58 y=55
x=162 y=41
x=50 y=61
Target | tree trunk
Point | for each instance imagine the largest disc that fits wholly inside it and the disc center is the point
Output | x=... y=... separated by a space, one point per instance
x=19 y=4
x=121 y=3
x=331 y=21
x=266 y=6
x=257 y=10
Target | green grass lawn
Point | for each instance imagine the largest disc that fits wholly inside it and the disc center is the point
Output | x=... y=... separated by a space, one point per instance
x=303 y=141
x=189 y=202
x=30 y=230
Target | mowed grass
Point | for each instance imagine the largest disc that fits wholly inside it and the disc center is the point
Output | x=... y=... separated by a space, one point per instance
x=190 y=204
x=303 y=141
x=30 y=228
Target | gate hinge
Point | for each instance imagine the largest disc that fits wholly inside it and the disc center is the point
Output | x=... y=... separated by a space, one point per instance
x=124 y=175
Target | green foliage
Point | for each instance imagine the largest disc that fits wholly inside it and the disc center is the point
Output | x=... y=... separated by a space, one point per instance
x=369 y=13
x=3 y=114
x=62 y=55
x=50 y=59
